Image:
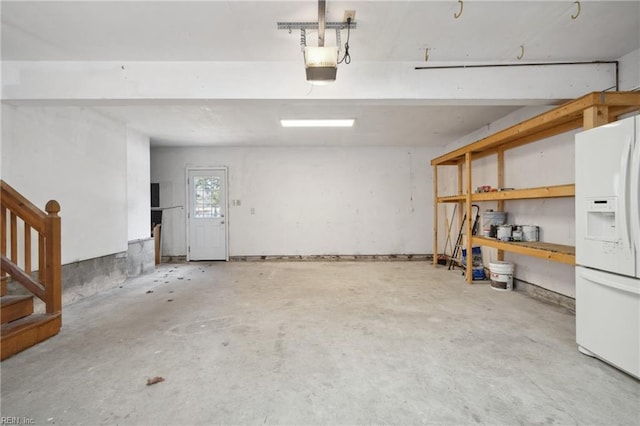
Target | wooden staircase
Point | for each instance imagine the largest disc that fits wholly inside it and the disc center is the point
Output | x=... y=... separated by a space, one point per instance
x=20 y=220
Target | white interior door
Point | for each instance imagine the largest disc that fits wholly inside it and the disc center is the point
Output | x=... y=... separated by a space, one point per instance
x=206 y=219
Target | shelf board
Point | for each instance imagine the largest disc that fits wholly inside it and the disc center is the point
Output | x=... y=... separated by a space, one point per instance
x=555 y=252
x=452 y=198
x=556 y=191
x=529 y=193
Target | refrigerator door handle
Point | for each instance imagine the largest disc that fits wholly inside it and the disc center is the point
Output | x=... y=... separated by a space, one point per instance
x=595 y=278
x=624 y=206
x=634 y=198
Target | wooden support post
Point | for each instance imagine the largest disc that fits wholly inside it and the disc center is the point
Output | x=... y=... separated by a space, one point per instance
x=501 y=185
x=469 y=224
x=595 y=116
x=53 y=253
x=157 y=233
x=435 y=215
x=460 y=192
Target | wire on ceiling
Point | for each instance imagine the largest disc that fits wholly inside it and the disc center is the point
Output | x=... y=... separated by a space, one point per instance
x=346 y=58
x=303 y=38
x=530 y=64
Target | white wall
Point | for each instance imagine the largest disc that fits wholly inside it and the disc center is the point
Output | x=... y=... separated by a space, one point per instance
x=308 y=201
x=630 y=71
x=547 y=162
x=78 y=158
x=138 y=186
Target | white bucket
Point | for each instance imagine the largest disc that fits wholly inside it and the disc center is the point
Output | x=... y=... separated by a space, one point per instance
x=501 y=275
x=492 y=218
x=530 y=233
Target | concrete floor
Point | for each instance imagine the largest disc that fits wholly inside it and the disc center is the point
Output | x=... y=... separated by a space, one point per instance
x=310 y=343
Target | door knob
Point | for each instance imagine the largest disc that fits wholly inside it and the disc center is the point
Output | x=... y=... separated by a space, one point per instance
x=222 y=222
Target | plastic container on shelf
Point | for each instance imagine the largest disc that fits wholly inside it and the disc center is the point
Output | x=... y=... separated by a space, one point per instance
x=516 y=235
x=489 y=218
x=530 y=233
x=504 y=232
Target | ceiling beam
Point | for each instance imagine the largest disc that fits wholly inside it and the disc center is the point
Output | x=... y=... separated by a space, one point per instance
x=286 y=80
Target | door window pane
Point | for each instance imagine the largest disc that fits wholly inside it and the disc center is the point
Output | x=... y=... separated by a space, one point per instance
x=207 y=197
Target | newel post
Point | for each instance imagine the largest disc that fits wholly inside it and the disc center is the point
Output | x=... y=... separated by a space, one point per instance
x=53 y=254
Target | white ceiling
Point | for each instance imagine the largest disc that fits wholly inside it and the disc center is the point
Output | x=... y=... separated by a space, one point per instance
x=256 y=123
x=246 y=30
x=397 y=31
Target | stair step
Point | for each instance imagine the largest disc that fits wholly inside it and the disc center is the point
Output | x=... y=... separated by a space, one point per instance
x=26 y=332
x=15 y=307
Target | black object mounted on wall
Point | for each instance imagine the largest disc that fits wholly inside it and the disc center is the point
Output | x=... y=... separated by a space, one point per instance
x=156 y=213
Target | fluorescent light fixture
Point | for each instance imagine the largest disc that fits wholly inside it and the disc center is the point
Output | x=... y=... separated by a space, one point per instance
x=348 y=122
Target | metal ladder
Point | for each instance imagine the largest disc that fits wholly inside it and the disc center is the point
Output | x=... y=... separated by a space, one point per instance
x=474 y=229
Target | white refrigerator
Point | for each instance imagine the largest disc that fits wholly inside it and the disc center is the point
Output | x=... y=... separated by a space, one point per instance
x=607 y=165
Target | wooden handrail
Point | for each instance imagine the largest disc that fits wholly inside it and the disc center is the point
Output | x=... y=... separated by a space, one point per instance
x=23 y=208
x=48 y=286
x=20 y=276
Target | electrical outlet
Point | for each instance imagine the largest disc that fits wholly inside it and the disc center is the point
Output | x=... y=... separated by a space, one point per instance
x=349 y=14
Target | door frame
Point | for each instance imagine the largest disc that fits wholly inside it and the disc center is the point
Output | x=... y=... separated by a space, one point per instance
x=225 y=171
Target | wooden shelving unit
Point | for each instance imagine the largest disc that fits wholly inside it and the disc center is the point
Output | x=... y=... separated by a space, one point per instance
x=589 y=111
